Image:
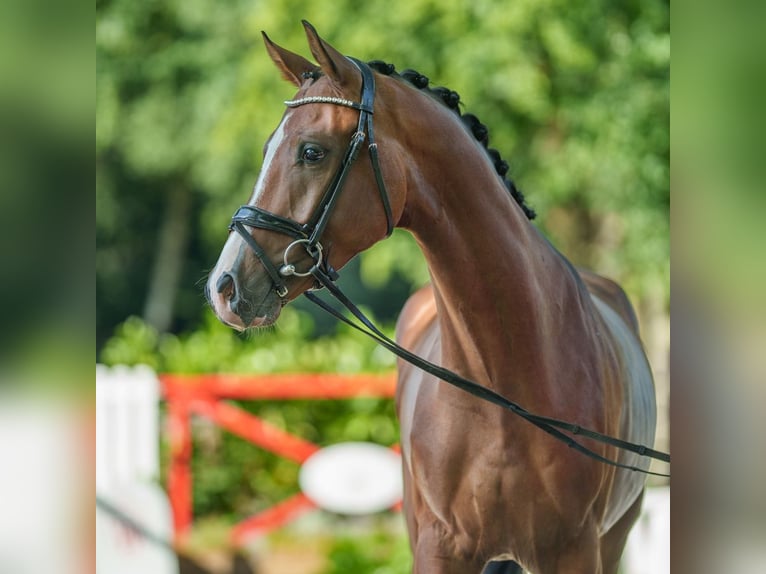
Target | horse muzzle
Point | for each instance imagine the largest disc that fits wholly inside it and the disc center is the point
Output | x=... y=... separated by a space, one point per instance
x=242 y=302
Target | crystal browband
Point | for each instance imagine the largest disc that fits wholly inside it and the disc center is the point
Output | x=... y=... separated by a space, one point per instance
x=325 y=100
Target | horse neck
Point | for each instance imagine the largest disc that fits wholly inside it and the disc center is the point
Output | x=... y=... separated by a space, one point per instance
x=500 y=287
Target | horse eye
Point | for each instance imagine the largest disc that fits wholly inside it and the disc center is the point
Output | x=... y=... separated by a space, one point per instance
x=312 y=154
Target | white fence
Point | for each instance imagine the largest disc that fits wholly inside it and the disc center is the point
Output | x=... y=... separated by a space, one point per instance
x=43 y=484
x=133 y=518
x=127 y=423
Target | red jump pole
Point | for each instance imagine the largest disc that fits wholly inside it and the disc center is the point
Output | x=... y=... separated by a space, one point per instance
x=271 y=518
x=201 y=394
x=285 y=386
x=254 y=429
x=179 y=473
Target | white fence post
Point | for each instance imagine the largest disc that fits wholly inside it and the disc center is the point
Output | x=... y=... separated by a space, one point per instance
x=127 y=425
x=133 y=518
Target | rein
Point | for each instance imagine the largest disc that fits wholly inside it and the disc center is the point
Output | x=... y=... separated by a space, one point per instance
x=309 y=234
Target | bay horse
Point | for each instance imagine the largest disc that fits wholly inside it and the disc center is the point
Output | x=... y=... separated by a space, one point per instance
x=503 y=308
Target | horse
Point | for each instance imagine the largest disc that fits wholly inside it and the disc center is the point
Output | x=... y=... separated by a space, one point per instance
x=483 y=490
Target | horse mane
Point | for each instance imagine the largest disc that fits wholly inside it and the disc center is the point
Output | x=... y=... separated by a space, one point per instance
x=451 y=99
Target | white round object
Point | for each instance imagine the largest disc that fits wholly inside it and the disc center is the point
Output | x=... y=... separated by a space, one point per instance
x=353 y=478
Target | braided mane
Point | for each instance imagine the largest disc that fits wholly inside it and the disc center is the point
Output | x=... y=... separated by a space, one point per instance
x=451 y=99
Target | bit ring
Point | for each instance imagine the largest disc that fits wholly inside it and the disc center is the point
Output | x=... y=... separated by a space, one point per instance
x=289 y=269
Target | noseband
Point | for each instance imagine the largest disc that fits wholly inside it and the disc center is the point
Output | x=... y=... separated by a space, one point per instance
x=309 y=234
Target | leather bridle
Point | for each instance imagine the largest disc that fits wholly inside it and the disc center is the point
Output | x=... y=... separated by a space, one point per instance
x=310 y=233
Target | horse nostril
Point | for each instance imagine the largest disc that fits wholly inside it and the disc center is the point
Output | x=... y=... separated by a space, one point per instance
x=226 y=285
x=226 y=282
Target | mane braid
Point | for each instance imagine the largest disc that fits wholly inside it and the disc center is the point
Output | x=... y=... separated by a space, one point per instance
x=451 y=99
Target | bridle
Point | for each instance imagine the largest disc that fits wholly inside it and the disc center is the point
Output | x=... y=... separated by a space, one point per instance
x=309 y=234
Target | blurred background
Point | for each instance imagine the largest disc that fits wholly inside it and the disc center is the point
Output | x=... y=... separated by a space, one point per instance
x=575 y=93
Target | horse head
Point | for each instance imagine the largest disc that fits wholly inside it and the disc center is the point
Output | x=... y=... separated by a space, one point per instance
x=312 y=205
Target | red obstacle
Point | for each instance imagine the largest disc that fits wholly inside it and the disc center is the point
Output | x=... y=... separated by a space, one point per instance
x=203 y=395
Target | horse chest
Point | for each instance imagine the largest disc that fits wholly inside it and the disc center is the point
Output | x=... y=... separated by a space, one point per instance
x=454 y=446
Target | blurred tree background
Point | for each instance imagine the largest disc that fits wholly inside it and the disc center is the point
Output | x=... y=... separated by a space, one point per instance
x=576 y=96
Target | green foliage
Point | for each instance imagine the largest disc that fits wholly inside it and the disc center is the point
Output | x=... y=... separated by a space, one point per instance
x=214 y=347
x=398 y=254
x=378 y=553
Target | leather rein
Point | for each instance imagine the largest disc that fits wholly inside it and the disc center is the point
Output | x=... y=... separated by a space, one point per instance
x=309 y=234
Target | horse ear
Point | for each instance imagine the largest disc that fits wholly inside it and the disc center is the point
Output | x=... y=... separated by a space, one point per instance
x=334 y=64
x=293 y=67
